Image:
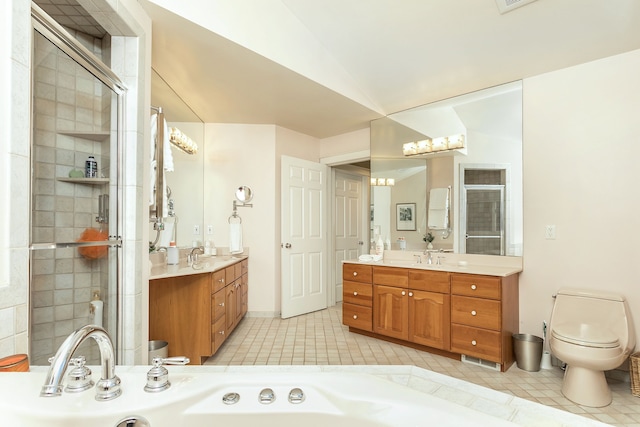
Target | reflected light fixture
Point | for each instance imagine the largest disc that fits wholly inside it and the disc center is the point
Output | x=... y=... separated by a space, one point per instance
x=434 y=145
x=383 y=181
x=183 y=142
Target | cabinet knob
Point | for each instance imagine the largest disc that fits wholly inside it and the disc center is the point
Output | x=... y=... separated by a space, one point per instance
x=473 y=287
x=355 y=316
x=221 y=280
x=403 y=293
x=221 y=332
x=355 y=294
x=221 y=304
x=355 y=273
x=410 y=294
x=473 y=342
x=473 y=312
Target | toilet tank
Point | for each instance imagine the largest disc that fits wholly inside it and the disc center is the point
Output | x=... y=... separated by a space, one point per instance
x=605 y=309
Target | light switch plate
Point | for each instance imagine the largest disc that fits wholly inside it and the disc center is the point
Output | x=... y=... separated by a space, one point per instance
x=550 y=232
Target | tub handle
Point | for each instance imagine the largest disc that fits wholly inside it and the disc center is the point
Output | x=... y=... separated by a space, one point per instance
x=296 y=396
x=266 y=396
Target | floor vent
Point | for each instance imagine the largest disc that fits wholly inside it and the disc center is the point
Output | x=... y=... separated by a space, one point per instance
x=481 y=362
x=505 y=6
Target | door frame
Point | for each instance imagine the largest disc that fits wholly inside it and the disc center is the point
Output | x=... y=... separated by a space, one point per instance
x=332 y=162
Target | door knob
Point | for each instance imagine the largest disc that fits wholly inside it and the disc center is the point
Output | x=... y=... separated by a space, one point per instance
x=287 y=245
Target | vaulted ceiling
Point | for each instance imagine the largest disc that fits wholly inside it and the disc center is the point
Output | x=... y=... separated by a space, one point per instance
x=328 y=67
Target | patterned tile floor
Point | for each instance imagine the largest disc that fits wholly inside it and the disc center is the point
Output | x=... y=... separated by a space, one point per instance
x=320 y=338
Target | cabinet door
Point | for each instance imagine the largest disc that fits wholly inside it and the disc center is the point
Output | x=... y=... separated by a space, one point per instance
x=390 y=311
x=238 y=297
x=429 y=319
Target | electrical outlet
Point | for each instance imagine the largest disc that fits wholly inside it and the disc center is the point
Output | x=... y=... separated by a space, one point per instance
x=196 y=229
x=550 y=232
x=209 y=229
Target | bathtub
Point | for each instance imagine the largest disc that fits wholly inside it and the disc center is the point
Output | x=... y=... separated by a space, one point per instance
x=336 y=397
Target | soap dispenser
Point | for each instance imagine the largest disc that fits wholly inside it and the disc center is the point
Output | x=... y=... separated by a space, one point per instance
x=172 y=254
x=379 y=246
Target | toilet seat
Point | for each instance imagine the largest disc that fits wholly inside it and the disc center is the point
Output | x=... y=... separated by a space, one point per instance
x=585 y=335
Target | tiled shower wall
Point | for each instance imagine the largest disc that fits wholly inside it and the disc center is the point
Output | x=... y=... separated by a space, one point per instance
x=67 y=99
x=485 y=220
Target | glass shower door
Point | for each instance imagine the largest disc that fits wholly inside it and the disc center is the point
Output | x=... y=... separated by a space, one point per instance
x=484 y=219
x=75 y=239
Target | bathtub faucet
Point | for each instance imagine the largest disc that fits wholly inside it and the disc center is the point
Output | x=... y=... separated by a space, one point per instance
x=108 y=386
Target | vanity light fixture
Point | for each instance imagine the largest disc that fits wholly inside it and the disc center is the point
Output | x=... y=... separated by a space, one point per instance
x=182 y=141
x=383 y=181
x=434 y=145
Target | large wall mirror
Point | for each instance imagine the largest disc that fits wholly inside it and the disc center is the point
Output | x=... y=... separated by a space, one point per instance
x=484 y=180
x=183 y=216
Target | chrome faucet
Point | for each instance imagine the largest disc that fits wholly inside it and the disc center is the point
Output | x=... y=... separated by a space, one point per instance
x=108 y=387
x=192 y=258
x=418 y=259
x=427 y=252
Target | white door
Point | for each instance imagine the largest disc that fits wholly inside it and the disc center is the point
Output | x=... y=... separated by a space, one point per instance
x=347 y=222
x=304 y=236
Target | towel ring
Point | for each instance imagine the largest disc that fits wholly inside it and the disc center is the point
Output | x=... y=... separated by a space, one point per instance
x=235 y=216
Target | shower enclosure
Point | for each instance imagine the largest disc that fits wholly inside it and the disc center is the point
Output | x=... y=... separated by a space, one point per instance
x=75 y=216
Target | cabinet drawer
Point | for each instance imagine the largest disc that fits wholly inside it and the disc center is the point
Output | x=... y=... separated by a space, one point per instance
x=356 y=272
x=217 y=306
x=476 y=342
x=357 y=316
x=357 y=293
x=218 y=334
x=478 y=312
x=475 y=285
x=391 y=276
x=430 y=281
x=219 y=281
x=230 y=272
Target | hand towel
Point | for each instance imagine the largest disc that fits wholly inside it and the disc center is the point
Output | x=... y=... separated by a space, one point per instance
x=235 y=238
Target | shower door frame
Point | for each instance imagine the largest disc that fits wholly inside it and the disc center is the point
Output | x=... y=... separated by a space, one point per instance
x=59 y=37
x=464 y=214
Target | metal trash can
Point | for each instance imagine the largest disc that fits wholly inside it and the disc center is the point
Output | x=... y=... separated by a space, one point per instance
x=528 y=351
x=158 y=348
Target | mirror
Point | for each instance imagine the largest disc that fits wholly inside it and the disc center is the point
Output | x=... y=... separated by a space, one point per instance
x=244 y=194
x=485 y=177
x=183 y=218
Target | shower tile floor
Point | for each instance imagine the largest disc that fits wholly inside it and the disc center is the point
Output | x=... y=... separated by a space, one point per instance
x=320 y=338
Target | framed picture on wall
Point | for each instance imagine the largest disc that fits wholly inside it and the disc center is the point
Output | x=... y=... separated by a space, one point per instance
x=406 y=216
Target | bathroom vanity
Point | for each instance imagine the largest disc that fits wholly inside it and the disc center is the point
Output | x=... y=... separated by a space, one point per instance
x=449 y=310
x=195 y=309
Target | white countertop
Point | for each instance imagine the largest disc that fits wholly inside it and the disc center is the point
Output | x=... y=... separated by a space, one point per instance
x=501 y=266
x=206 y=264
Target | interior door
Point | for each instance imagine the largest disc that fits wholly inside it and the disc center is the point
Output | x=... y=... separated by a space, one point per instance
x=347 y=223
x=304 y=237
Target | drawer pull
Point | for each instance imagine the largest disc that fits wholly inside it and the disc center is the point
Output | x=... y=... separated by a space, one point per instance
x=473 y=312
x=355 y=317
x=473 y=287
x=221 y=304
x=221 y=332
x=355 y=273
x=410 y=294
x=403 y=293
x=355 y=294
x=473 y=342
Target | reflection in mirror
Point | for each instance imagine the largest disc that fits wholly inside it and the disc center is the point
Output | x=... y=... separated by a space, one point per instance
x=244 y=194
x=184 y=211
x=485 y=178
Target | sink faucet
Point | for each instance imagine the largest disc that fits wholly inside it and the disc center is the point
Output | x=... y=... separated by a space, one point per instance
x=418 y=259
x=108 y=386
x=193 y=256
x=427 y=252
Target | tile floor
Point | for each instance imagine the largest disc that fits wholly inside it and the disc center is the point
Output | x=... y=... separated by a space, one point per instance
x=320 y=338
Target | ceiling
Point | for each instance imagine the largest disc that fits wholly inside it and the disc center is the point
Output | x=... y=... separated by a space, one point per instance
x=328 y=67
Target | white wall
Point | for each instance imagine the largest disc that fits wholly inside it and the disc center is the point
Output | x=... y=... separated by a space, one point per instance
x=581 y=154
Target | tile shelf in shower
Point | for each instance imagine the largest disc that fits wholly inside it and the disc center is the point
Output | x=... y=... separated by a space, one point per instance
x=90 y=181
x=93 y=136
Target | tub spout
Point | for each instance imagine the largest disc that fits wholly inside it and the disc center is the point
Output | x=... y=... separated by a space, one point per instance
x=108 y=387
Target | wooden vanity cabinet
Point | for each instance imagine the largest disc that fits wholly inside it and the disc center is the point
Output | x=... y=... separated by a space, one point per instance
x=446 y=313
x=196 y=313
x=357 y=296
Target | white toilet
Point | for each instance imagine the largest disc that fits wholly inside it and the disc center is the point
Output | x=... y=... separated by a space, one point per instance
x=591 y=332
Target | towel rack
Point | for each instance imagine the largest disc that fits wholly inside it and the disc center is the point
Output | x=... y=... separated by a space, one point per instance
x=234 y=214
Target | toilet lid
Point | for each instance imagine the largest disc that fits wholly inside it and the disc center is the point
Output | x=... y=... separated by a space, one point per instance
x=586 y=335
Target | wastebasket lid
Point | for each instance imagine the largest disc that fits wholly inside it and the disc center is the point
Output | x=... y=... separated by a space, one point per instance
x=585 y=335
